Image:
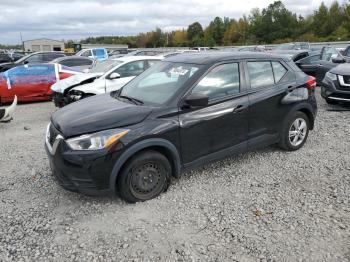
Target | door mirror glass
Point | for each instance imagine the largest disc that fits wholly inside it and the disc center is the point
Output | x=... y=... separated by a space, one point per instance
x=338 y=60
x=114 y=76
x=197 y=100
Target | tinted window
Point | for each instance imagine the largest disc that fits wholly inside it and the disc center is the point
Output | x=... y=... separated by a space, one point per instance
x=347 y=52
x=76 y=62
x=260 y=74
x=310 y=59
x=278 y=70
x=221 y=81
x=304 y=46
x=47 y=57
x=37 y=58
x=131 y=69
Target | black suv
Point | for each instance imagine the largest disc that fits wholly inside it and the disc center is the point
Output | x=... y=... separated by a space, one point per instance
x=179 y=114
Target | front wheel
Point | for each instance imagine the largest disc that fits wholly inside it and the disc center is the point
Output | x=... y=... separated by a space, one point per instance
x=294 y=132
x=145 y=176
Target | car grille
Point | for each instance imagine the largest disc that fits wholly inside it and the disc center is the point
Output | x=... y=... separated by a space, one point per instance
x=346 y=79
x=53 y=134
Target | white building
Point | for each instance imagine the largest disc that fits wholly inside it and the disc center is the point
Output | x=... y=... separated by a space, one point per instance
x=43 y=44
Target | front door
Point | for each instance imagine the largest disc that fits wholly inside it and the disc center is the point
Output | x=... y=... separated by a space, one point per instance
x=223 y=124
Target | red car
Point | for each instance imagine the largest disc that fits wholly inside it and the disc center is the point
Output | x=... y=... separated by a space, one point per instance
x=31 y=82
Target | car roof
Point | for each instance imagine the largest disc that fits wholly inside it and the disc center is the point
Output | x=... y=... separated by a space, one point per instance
x=136 y=58
x=214 y=57
x=58 y=59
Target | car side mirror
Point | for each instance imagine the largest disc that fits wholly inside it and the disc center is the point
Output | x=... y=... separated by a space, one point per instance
x=114 y=76
x=338 y=60
x=197 y=100
x=25 y=62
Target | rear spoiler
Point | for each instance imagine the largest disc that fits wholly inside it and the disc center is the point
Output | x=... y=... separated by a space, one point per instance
x=6 y=113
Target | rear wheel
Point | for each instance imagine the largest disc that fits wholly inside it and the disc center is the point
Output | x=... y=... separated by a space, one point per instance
x=295 y=132
x=144 y=177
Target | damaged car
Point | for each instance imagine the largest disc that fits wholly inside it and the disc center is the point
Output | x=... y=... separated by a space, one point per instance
x=31 y=82
x=106 y=76
x=182 y=113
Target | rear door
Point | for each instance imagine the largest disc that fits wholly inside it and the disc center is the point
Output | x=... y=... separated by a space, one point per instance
x=309 y=64
x=269 y=82
x=223 y=124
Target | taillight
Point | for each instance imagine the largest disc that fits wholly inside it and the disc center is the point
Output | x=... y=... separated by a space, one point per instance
x=311 y=83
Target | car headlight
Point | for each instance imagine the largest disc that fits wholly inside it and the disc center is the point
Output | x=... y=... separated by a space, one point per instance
x=331 y=76
x=96 y=141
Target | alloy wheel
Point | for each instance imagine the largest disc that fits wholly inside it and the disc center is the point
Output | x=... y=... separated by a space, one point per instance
x=297 y=132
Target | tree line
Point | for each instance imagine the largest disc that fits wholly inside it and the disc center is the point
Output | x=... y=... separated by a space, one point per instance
x=273 y=24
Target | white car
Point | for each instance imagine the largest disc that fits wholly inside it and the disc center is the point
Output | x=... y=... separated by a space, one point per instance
x=104 y=77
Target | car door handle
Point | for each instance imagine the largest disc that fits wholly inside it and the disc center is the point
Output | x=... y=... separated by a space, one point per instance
x=291 y=88
x=239 y=109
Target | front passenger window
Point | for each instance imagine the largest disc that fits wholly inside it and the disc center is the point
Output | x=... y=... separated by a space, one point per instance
x=221 y=81
x=131 y=69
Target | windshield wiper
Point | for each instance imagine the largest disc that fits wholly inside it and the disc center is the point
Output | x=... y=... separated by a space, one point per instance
x=132 y=99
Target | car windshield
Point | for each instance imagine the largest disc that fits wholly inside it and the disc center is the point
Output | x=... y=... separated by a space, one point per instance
x=158 y=84
x=285 y=47
x=104 y=66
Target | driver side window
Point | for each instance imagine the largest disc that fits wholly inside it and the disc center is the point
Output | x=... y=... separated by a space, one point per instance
x=131 y=69
x=221 y=81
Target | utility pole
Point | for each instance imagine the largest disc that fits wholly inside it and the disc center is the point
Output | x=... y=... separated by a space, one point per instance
x=20 y=33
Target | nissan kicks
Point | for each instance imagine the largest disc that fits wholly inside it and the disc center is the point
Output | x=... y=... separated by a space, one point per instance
x=181 y=113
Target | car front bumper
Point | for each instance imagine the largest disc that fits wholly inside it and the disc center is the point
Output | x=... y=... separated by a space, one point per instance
x=87 y=172
x=332 y=90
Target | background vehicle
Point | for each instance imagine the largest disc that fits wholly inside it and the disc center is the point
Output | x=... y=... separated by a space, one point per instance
x=335 y=86
x=38 y=57
x=183 y=112
x=31 y=82
x=9 y=57
x=76 y=62
x=330 y=57
x=294 y=46
x=94 y=53
x=116 y=74
x=310 y=63
x=145 y=53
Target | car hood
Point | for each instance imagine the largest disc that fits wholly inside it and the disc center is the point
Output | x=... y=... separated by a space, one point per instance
x=342 y=69
x=97 y=113
x=74 y=80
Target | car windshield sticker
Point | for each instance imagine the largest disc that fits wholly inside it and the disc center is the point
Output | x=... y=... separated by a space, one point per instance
x=178 y=71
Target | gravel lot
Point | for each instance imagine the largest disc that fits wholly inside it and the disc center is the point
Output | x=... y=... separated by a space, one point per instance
x=266 y=205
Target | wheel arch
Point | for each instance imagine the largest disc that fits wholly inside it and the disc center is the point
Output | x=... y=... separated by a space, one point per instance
x=307 y=110
x=162 y=146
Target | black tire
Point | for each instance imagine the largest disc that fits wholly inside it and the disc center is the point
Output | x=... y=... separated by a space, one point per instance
x=285 y=140
x=331 y=102
x=145 y=176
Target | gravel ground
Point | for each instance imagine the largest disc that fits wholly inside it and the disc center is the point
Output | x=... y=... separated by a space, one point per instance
x=266 y=205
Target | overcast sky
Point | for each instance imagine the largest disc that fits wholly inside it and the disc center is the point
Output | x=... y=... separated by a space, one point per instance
x=76 y=19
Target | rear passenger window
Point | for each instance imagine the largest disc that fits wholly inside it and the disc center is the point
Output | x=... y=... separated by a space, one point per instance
x=221 y=81
x=260 y=74
x=279 y=71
